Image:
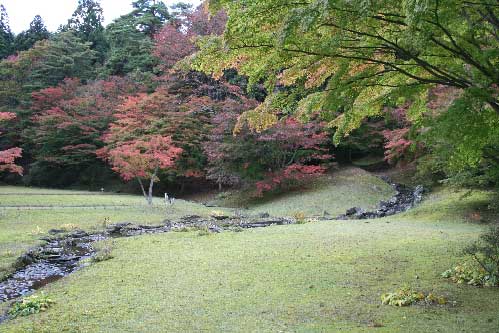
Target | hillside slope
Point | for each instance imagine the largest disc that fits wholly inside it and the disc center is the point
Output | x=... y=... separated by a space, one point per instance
x=334 y=194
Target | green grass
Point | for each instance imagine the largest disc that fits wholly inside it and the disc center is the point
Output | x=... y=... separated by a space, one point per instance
x=26 y=196
x=317 y=277
x=334 y=194
x=22 y=227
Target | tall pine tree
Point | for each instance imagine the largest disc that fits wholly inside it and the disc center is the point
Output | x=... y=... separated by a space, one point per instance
x=130 y=38
x=6 y=36
x=86 y=24
x=37 y=31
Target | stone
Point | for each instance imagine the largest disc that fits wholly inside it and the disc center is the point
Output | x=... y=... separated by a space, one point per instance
x=403 y=200
x=56 y=231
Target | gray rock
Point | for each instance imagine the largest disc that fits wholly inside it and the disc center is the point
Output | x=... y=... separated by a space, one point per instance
x=403 y=200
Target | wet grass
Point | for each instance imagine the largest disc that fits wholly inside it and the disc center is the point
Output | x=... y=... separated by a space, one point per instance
x=316 y=277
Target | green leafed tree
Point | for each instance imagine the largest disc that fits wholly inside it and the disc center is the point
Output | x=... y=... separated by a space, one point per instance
x=6 y=36
x=129 y=48
x=150 y=15
x=352 y=58
x=86 y=24
x=37 y=31
x=46 y=64
x=63 y=56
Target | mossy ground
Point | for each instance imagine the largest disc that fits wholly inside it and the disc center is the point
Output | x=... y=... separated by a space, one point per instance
x=317 y=277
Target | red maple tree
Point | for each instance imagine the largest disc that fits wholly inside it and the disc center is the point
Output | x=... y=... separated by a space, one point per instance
x=176 y=39
x=69 y=119
x=140 y=158
x=8 y=156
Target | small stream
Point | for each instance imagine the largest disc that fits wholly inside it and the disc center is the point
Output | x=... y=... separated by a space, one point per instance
x=48 y=263
x=65 y=254
x=404 y=199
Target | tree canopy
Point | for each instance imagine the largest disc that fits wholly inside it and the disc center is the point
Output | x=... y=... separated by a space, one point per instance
x=347 y=60
x=256 y=93
x=37 y=31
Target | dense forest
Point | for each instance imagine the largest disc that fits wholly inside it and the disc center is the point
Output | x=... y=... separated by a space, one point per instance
x=261 y=95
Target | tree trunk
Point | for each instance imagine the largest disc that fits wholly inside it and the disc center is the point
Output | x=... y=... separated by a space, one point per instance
x=151 y=184
x=143 y=189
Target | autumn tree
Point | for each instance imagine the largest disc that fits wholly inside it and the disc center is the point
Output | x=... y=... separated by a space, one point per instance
x=181 y=108
x=171 y=45
x=140 y=158
x=133 y=145
x=277 y=158
x=355 y=57
x=69 y=119
x=46 y=64
x=176 y=39
x=8 y=156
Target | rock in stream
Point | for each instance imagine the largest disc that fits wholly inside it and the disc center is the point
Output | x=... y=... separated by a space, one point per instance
x=404 y=199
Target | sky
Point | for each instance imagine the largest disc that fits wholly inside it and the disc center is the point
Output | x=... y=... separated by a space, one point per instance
x=57 y=12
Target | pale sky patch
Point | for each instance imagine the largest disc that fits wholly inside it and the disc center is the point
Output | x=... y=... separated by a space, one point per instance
x=57 y=12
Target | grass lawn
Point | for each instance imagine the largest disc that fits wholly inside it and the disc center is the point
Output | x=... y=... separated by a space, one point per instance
x=317 y=277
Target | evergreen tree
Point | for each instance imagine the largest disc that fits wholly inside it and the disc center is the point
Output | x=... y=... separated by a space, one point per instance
x=65 y=56
x=150 y=15
x=37 y=31
x=86 y=23
x=6 y=36
x=129 y=49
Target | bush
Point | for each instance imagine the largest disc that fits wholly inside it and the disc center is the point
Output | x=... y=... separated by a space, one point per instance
x=299 y=217
x=406 y=297
x=104 y=251
x=292 y=177
x=30 y=305
x=484 y=270
x=470 y=273
x=204 y=231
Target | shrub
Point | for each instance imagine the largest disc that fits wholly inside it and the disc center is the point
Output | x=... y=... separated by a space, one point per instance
x=299 y=217
x=69 y=227
x=30 y=305
x=406 y=297
x=204 y=231
x=468 y=272
x=484 y=270
x=291 y=177
x=104 y=251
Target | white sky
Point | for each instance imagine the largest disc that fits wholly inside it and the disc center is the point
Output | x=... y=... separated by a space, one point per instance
x=57 y=12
